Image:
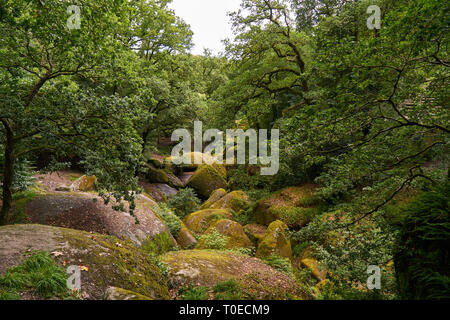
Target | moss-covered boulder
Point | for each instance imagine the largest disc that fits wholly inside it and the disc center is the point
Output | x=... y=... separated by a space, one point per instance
x=232 y=230
x=186 y=239
x=197 y=159
x=255 y=232
x=84 y=211
x=295 y=206
x=155 y=175
x=114 y=293
x=215 y=196
x=199 y=221
x=84 y=183
x=206 y=180
x=107 y=261
x=207 y=268
x=174 y=181
x=237 y=201
x=313 y=266
x=275 y=241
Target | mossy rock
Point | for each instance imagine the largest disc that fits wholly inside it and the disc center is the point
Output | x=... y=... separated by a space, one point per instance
x=110 y=262
x=186 y=239
x=231 y=229
x=206 y=180
x=174 y=181
x=84 y=183
x=313 y=266
x=204 y=159
x=216 y=195
x=156 y=175
x=114 y=293
x=237 y=201
x=295 y=206
x=207 y=268
x=255 y=232
x=199 y=221
x=275 y=242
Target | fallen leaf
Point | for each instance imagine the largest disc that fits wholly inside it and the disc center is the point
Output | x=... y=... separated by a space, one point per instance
x=84 y=268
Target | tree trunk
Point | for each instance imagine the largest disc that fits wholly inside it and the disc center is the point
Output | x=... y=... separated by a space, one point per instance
x=8 y=175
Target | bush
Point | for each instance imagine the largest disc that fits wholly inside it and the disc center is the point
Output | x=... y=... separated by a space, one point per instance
x=214 y=240
x=170 y=219
x=184 y=202
x=279 y=263
x=422 y=254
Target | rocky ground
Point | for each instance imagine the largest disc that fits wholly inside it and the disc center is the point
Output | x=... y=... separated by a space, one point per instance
x=126 y=260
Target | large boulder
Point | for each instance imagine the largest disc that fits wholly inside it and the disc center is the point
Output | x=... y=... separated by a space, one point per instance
x=256 y=279
x=206 y=180
x=255 y=232
x=275 y=241
x=295 y=206
x=84 y=211
x=199 y=221
x=185 y=238
x=204 y=159
x=108 y=261
x=84 y=183
x=232 y=230
x=215 y=196
x=237 y=201
x=114 y=293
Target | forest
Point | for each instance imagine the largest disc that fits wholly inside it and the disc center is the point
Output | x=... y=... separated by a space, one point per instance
x=352 y=97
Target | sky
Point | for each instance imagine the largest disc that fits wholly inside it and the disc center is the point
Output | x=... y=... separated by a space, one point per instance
x=208 y=20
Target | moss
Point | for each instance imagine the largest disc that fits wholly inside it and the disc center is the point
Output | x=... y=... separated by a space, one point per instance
x=157 y=175
x=160 y=243
x=216 y=195
x=294 y=217
x=199 y=221
x=232 y=230
x=313 y=266
x=275 y=241
x=185 y=238
x=255 y=232
x=210 y=267
x=237 y=201
x=87 y=183
x=114 y=262
x=114 y=293
x=206 y=180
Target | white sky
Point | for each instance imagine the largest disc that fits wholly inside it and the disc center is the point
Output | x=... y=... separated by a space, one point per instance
x=208 y=20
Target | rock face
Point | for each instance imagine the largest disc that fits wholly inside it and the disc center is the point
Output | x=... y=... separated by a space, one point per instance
x=231 y=229
x=215 y=196
x=185 y=238
x=199 y=221
x=255 y=232
x=110 y=261
x=209 y=267
x=85 y=183
x=206 y=180
x=86 y=212
x=275 y=241
x=237 y=201
x=295 y=206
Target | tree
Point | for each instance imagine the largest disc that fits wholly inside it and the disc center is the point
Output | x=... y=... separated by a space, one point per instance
x=37 y=49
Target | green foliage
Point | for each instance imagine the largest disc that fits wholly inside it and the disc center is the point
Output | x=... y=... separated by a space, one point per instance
x=169 y=218
x=184 y=202
x=227 y=290
x=38 y=272
x=190 y=292
x=282 y=264
x=214 y=240
x=422 y=253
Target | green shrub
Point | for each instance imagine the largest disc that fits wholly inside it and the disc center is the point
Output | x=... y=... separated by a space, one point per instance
x=422 y=254
x=191 y=292
x=227 y=290
x=214 y=240
x=280 y=263
x=184 y=202
x=170 y=219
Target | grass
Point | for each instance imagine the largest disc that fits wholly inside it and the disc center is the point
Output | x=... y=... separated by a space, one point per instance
x=191 y=292
x=38 y=273
x=227 y=290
